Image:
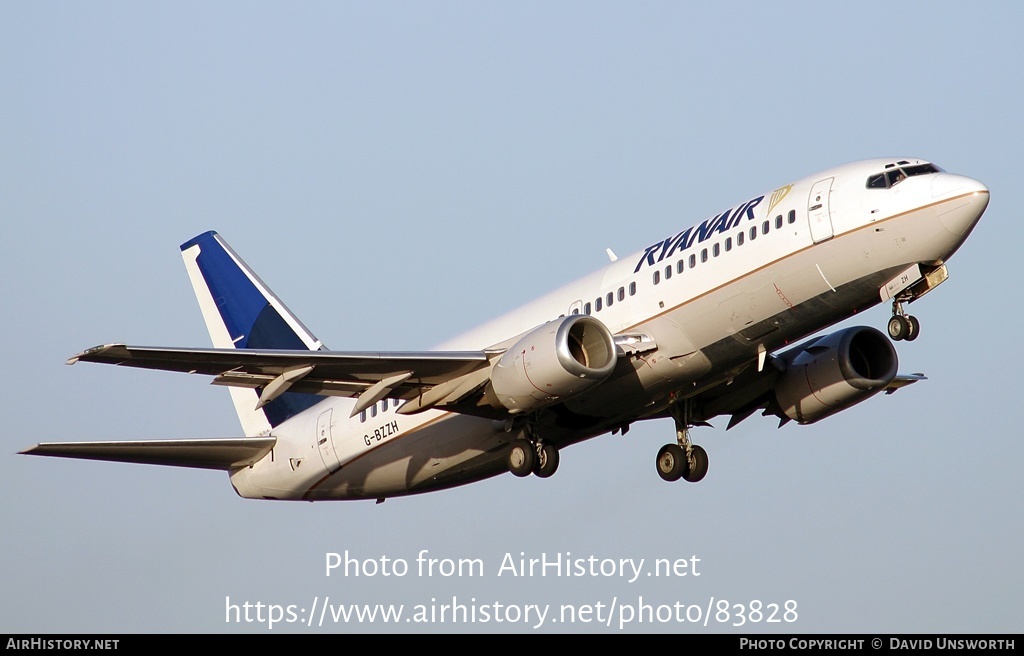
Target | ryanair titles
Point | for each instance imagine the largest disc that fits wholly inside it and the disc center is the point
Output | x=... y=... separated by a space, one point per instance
x=681 y=241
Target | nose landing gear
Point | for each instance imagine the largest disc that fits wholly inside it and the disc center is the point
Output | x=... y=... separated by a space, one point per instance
x=902 y=326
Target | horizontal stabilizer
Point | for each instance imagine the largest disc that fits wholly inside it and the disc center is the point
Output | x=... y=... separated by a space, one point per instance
x=226 y=454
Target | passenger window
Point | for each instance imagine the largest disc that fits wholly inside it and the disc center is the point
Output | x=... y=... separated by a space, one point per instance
x=715 y=250
x=679 y=266
x=657 y=277
x=728 y=244
x=668 y=272
x=704 y=255
x=597 y=301
x=693 y=261
x=753 y=233
x=622 y=293
x=739 y=239
x=764 y=227
x=586 y=308
x=609 y=299
x=778 y=222
x=632 y=289
x=792 y=216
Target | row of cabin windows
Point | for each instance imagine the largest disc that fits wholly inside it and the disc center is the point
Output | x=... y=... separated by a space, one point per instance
x=607 y=300
x=380 y=406
x=610 y=298
x=717 y=247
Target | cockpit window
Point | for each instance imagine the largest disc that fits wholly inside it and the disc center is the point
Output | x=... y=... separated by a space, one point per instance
x=921 y=169
x=893 y=174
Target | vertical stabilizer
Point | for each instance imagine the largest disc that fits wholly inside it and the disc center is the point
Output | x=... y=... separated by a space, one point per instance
x=241 y=312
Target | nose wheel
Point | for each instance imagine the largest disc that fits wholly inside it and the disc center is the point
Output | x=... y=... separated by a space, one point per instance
x=902 y=326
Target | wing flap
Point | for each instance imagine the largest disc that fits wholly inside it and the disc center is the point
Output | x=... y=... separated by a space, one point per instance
x=225 y=454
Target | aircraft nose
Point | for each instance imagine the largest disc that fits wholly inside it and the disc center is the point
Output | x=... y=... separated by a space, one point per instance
x=970 y=198
x=945 y=185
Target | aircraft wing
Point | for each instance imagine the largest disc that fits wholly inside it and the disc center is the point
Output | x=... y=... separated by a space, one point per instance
x=805 y=383
x=223 y=454
x=427 y=378
x=902 y=380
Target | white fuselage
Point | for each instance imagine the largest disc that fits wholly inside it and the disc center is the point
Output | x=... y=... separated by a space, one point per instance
x=811 y=253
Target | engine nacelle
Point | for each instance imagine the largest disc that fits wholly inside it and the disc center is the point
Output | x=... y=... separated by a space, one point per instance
x=553 y=362
x=835 y=372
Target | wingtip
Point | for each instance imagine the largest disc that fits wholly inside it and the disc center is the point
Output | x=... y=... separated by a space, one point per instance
x=90 y=352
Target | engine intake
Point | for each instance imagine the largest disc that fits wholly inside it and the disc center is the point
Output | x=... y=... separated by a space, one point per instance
x=835 y=372
x=553 y=362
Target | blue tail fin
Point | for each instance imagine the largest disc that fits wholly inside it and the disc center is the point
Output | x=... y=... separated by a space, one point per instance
x=241 y=312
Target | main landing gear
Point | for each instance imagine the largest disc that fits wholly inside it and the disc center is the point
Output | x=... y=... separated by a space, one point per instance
x=684 y=459
x=530 y=456
x=902 y=326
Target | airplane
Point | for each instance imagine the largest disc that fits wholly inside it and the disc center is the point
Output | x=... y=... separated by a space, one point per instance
x=706 y=321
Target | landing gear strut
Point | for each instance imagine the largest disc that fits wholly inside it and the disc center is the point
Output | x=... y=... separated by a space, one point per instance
x=902 y=325
x=684 y=459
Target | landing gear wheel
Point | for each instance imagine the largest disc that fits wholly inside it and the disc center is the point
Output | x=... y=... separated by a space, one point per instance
x=899 y=328
x=671 y=462
x=915 y=328
x=521 y=458
x=698 y=465
x=547 y=461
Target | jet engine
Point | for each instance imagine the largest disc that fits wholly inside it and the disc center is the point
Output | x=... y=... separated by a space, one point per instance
x=834 y=372
x=553 y=362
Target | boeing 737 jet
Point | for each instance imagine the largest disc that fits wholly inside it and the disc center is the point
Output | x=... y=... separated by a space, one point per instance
x=703 y=322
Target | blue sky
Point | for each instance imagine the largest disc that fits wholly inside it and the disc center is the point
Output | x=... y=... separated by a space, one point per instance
x=401 y=172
